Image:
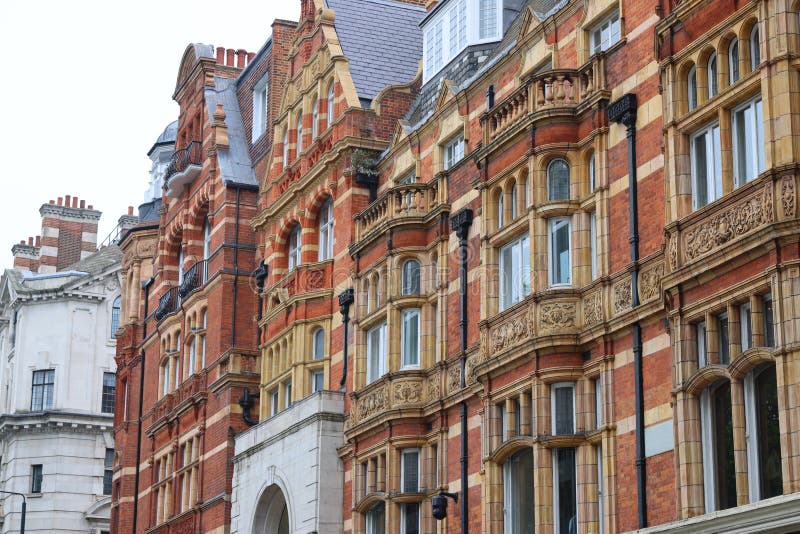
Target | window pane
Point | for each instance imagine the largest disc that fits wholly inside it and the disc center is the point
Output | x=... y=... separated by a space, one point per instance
x=410 y=338
x=700 y=161
x=318 y=379
x=564 y=410
x=506 y=277
x=410 y=518
x=319 y=344
x=410 y=471
x=769 y=444
x=558 y=180
x=692 y=88
x=488 y=19
x=745 y=326
x=725 y=472
x=723 y=339
x=376 y=519
x=566 y=513
x=702 y=359
x=518 y=493
x=561 y=269
x=109 y=395
x=769 y=324
x=411 y=278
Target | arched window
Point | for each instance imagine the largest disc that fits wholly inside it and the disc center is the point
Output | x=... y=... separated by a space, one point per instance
x=319 y=344
x=755 y=49
x=325 y=248
x=719 y=472
x=558 y=180
x=295 y=247
x=518 y=493
x=733 y=61
x=376 y=519
x=763 y=433
x=285 y=146
x=315 y=119
x=299 y=135
x=206 y=239
x=711 y=72
x=691 y=88
x=115 y=309
x=330 y=104
x=514 y=209
x=411 y=276
x=500 y=208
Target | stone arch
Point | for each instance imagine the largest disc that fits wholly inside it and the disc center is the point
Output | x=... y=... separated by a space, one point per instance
x=273 y=510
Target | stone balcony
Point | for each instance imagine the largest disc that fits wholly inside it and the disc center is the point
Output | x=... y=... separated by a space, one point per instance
x=184 y=166
x=404 y=204
x=188 y=392
x=558 y=91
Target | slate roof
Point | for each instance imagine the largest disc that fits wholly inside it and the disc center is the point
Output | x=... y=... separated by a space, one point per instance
x=167 y=137
x=235 y=166
x=381 y=39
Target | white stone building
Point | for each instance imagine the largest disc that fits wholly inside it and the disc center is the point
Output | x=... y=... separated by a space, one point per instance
x=57 y=382
x=287 y=470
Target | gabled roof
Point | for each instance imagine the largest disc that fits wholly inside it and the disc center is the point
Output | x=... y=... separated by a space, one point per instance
x=235 y=166
x=382 y=41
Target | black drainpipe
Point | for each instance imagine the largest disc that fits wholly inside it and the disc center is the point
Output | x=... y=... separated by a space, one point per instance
x=146 y=286
x=461 y=222
x=346 y=298
x=235 y=269
x=623 y=111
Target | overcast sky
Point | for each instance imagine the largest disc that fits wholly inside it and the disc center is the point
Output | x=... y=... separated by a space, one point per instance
x=87 y=88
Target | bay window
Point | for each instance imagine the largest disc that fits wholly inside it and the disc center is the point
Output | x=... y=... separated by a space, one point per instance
x=559 y=252
x=411 y=278
x=515 y=272
x=706 y=163
x=748 y=141
x=376 y=352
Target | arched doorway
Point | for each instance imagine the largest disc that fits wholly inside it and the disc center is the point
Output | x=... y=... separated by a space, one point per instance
x=272 y=515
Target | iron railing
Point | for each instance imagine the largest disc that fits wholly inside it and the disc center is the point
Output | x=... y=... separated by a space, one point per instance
x=194 y=278
x=181 y=159
x=168 y=303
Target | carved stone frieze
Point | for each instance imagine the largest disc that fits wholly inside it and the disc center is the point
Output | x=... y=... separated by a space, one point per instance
x=510 y=332
x=788 y=197
x=453 y=379
x=593 y=309
x=434 y=390
x=469 y=368
x=673 y=252
x=370 y=404
x=622 y=296
x=732 y=222
x=557 y=316
x=406 y=392
x=650 y=282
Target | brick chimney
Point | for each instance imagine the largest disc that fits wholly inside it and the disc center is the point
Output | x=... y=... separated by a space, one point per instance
x=26 y=255
x=69 y=233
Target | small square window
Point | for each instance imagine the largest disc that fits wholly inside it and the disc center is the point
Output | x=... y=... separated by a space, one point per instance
x=563 y=408
x=605 y=33
x=317 y=381
x=453 y=151
x=409 y=471
x=37 y=477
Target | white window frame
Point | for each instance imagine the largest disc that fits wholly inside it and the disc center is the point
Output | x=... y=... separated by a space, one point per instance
x=274 y=397
x=605 y=33
x=299 y=143
x=593 y=242
x=745 y=326
x=286 y=146
x=712 y=68
x=287 y=394
x=405 y=358
x=501 y=209
x=553 y=409
x=592 y=178
x=514 y=209
x=407 y=285
x=403 y=454
x=453 y=151
x=556 y=504
x=764 y=300
x=733 y=61
x=260 y=107
x=326 y=224
x=550 y=192
x=709 y=459
x=711 y=138
x=369 y=521
x=691 y=88
x=331 y=102
x=753 y=144
x=314 y=386
x=318 y=344
x=404 y=517
x=700 y=343
x=515 y=289
x=442 y=43
x=206 y=238
x=553 y=225
x=755 y=47
x=751 y=437
x=598 y=402
x=373 y=373
x=295 y=246
x=315 y=118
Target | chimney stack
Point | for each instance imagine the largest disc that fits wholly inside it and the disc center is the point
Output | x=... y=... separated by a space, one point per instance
x=69 y=233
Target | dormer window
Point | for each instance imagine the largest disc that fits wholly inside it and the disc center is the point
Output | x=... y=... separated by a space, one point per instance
x=455 y=25
x=260 y=108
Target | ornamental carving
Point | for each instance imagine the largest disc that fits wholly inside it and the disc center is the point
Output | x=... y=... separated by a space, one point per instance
x=788 y=197
x=622 y=296
x=734 y=222
x=673 y=252
x=453 y=379
x=557 y=315
x=469 y=368
x=510 y=332
x=434 y=390
x=650 y=282
x=407 y=392
x=371 y=404
x=593 y=309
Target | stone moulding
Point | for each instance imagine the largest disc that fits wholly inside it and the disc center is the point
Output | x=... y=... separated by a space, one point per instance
x=509 y=332
x=650 y=282
x=733 y=222
x=623 y=296
x=557 y=316
x=593 y=309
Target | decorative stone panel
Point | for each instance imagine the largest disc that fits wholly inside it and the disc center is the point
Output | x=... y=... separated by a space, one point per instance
x=557 y=316
x=623 y=296
x=593 y=309
x=650 y=282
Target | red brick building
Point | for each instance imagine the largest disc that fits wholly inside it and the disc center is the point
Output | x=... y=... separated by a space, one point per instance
x=538 y=254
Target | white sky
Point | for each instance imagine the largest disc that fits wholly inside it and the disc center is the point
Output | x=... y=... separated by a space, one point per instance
x=87 y=88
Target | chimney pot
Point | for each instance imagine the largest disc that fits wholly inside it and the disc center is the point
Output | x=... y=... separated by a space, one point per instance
x=52 y=202
x=30 y=241
x=38 y=241
x=130 y=210
x=250 y=56
x=60 y=201
x=67 y=200
x=89 y=207
x=241 y=54
x=21 y=241
x=74 y=202
x=83 y=204
x=229 y=57
x=220 y=55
